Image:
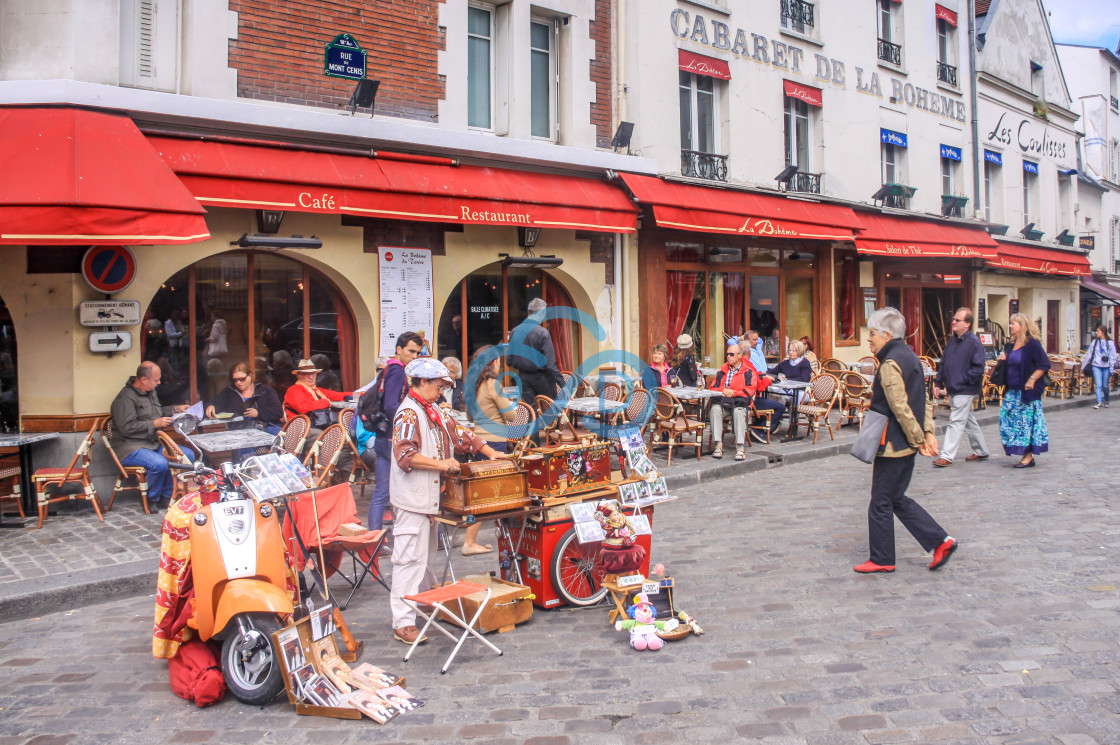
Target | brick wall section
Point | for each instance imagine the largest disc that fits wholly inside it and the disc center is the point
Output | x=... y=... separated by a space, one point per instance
x=278 y=53
x=601 y=109
x=602 y=252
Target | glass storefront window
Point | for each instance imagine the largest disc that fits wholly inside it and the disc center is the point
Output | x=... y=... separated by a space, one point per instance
x=765 y=310
x=685 y=305
x=799 y=310
x=726 y=308
x=763 y=256
x=684 y=252
x=846 y=274
x=278 y=307
x=9 y=388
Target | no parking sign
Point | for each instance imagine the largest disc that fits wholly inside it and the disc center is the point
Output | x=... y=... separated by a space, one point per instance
x=109 y=269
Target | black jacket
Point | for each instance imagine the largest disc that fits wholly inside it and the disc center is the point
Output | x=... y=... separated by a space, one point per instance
x=264 y=400
x=961 y=370
x=914 y=377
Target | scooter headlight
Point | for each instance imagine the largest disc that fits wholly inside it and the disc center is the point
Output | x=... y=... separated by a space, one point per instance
x=266 y=510
x=200 y=519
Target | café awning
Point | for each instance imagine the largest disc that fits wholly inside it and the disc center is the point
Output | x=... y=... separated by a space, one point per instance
x=890 y=235
x=75 y=176
x=1040 y=260
x=731 y=212
x=392 y=186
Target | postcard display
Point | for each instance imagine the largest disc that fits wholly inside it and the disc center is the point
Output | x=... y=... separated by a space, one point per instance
x=320 y=683
x=580 y=474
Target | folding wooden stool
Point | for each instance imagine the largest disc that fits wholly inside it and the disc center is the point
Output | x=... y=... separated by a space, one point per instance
x=438 y=599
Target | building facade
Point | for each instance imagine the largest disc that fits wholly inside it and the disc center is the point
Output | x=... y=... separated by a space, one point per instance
x=485 y=144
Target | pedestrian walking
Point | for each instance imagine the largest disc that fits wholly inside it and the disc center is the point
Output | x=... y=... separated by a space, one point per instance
x=1101 y=357
x=960 y=376
x=1022 y=426
x=899 y=394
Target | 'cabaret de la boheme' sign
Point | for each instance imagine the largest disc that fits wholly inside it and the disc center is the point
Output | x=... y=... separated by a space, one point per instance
x=781 y=55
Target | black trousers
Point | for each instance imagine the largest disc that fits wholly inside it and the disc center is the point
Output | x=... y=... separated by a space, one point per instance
x=890 y=478
x=777 y=407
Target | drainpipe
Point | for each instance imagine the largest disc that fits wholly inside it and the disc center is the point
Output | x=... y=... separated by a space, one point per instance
x=976 y=163
x=621 y=321
x=617 y=323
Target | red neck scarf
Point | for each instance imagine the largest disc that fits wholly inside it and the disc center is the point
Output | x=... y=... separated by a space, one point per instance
x=429 y=407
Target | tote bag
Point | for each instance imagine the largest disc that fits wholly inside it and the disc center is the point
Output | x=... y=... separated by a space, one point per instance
x=870 y=437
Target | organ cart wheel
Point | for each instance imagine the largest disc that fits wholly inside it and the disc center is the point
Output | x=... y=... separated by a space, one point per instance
x=576 y=574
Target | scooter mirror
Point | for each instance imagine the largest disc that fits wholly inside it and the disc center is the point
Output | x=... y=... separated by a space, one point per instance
x=277 y=443
x=185 y=424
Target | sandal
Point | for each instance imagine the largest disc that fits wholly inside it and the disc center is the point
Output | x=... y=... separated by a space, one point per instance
x=484 y=549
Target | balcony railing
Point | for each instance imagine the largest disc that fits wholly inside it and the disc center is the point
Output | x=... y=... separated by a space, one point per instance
x=807 y=183
x=797 y=13
x=947 y=74
x=897 y=201
x=890 y=52
x=703 y=165
x=1114 y=102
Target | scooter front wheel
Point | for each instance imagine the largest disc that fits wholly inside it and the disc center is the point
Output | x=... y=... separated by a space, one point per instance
x=249 y=664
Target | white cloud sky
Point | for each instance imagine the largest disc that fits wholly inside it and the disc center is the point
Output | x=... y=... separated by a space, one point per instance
x=1092 y=22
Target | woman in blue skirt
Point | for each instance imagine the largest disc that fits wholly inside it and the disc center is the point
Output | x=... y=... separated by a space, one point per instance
x=1022 y=427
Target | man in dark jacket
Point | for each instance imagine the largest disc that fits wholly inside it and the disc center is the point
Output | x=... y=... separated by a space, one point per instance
x=899 y=394
x=137 y=414
x=960 y=376
x=536 y=379
x=394 y=387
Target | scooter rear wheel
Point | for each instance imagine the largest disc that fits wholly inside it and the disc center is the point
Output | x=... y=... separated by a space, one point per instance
x=249 y=664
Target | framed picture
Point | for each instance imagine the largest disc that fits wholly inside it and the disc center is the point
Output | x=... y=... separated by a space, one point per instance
x=322 y=622
x=291 y=648
x=321 y=691
x=658 y=487
x=582 y=512
x=589 y=531
x=400 y=699
x=301 y=676
x=372 y=678
x=629 y=491
x=373 y=706
x=641 y=525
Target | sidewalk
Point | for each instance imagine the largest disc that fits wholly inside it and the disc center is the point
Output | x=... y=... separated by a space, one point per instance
x=75 y=560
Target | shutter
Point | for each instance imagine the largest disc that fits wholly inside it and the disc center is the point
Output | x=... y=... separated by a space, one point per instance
x=145 y=40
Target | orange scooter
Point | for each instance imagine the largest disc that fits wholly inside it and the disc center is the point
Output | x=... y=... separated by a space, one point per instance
x=239 y=573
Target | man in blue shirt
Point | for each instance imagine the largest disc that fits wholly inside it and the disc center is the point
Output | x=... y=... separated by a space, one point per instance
x=754 y=343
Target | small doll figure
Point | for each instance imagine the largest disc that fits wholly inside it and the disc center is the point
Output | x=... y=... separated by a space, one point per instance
x=642 y=625
x=619 y=553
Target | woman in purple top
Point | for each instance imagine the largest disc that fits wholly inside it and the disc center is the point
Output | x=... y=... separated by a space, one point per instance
x=1022 y=427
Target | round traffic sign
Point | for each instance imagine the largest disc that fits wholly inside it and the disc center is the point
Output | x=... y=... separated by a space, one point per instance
x=109 y=269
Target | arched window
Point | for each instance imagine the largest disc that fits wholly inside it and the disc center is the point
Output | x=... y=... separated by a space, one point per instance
x=490 y=301
x=247 y=306
x=9 y=383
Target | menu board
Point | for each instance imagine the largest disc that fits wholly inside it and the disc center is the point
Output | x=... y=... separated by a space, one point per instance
x=406 y=294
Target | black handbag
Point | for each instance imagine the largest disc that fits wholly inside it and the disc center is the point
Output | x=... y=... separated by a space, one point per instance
x=322 y=418
x=998 y=376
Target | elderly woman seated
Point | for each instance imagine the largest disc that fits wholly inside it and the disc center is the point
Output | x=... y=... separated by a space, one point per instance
x=794 y=368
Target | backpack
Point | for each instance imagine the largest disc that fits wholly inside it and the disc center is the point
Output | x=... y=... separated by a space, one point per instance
x=370 y=411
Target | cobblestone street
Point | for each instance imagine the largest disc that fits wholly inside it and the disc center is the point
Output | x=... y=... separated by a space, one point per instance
x=1014 y=641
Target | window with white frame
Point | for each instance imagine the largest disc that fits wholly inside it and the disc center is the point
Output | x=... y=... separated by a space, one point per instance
x=993 y=211
x=947 y=52
x=1114 y=161
x=891 y=161
x=799 y=133
x=698 y=113
x=798 y=15
x=149 y=39
x=480 y=66
x=1113 y=90
x=1030 y=192
x=1114 y=244
x=948 y=175
x=1065 y=192
x=890 y=36
x=542 y=51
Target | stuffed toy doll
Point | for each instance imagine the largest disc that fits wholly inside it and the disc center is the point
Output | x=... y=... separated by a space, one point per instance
x=619 y=553
x=642 y=625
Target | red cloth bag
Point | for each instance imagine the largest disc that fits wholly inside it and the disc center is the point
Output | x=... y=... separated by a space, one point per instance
x=195 y=674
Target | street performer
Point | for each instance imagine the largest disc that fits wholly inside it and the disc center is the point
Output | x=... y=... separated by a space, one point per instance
x=424 y=445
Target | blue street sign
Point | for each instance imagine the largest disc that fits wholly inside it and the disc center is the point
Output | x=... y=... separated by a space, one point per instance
x=344 y=58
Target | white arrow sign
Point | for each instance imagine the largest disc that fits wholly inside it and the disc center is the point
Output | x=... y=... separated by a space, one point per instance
x=110 y=341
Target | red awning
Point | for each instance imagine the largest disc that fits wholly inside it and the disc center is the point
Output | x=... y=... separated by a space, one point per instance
x=1040 y=260
x=946 y=15
x=73 y=176
x=701 y=65
x=709 y=210
x=808 y=94
x=262 y=177
x=888 y=235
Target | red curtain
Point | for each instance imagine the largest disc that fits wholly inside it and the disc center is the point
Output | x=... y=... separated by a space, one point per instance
x=912 y=312
x=560 y=328
x=734 y=298
x=681 y=287
x=347 y=369
x=846 y=313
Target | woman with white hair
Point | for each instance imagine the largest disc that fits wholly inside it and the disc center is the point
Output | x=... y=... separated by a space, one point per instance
x=899 y=394
x=453 y=398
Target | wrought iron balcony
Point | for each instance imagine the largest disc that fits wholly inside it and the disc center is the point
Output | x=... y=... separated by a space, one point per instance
x=947 y=74
x=890 y=52
x=807 y=183
x=797 y=13
x=897 y=201
x=703 y=165
x=1114 y=102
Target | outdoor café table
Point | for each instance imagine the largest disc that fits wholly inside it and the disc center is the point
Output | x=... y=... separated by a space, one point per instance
x=232 y=440
x=594 y=405
x=340 y=405
x=789 y=389
x=209 y=425
x=701 y=397
x=22 y=441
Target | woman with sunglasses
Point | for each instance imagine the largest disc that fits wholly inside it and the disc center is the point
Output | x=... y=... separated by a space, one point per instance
x=256 y=402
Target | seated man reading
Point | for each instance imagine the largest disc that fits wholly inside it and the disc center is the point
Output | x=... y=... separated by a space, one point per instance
x=137 y=414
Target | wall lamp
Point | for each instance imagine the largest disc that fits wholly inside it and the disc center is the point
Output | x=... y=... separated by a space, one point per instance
x=527 y=237
x=277 y=241
x=622 y=136
x=531 y=262
x=364 y=95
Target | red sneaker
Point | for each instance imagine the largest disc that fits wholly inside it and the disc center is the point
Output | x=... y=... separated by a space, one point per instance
x=868 y=567
x=942 y=553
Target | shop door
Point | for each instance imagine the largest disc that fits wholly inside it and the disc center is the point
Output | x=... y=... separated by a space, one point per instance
x=9 y=384
x=938 y=306
x=1052 y=308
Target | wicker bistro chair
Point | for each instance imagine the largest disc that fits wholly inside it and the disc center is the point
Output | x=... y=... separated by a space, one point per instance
x=757 y=421
x=124 y=473
x=322 y=457
x=1060 y=377
x=345 y=418
x=295 y=434
x=868 y=365
x=44 y=479
x=520 y=429
x=561 y=429
x=822 y=393
x=671 y=419
x=990 y=392
x=174 y=454
x=855 y=398
x=9 y=482
x=636 y=404
x=833 y=366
